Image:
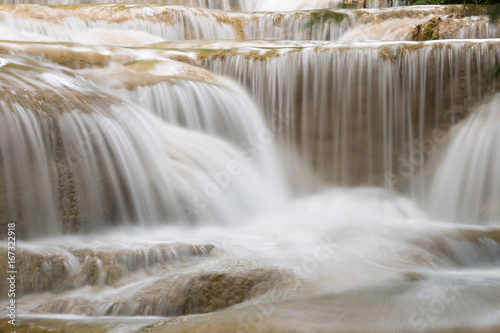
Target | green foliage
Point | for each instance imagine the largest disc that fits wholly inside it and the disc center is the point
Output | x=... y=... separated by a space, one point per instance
x=319 y=17
x=495 y=13
x=349 y=6
x=427 y=31
x=327 y=16
x=489 y=77
x=431 y=31
x=428 y=2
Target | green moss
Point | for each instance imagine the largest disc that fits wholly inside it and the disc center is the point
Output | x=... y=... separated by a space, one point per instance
x=320 y=17
x=328 y=16
x=431 y=31
x=349 y=6
x=427 y=31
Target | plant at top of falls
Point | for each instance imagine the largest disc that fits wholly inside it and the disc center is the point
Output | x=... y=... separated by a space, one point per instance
x=428 y=2
x=319 y=17
x=495 y=13
x=493 y=73
x=427 y=31
x=348 y=6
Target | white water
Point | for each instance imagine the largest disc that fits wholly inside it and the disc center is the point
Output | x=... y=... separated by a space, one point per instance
x=116 y=175
x=136 y=25
x=465 y=187
x=395 y=113
x=247 y=5
x=132 y=152
x=345 y=245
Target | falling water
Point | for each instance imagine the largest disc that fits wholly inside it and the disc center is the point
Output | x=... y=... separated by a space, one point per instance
x=307 y=166
x=94 y=171
x=252 y=5
x=465 y=185
x=136 y=25
x=402 y=94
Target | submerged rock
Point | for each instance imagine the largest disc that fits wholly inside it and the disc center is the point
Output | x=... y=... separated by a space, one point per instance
x=59 y=269
x=93 y=325
x=438 y=302
x=177 y=295
x=209 y=292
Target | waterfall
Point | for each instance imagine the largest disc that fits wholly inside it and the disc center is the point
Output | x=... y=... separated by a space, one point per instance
x=248 y=5
x=101 y=23
x=216 y=110
x=248 y=166
x=360 y=112
x=95 y=170
x=136 y=25
x=466 y=184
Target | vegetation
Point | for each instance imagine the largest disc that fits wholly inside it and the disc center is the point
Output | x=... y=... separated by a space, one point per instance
x=495 y=13
x=495 y=71
x=427 y=31
x=430 y=32
x=319 y=17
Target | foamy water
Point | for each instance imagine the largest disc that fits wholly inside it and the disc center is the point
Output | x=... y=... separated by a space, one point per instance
x=291 y=169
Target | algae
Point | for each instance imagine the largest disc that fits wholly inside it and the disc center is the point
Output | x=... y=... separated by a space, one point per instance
x=427 y=31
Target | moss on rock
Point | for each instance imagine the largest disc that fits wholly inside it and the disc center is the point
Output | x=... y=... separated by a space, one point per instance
x=427 y=31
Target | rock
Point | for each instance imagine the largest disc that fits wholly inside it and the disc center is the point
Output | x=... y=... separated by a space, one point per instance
x=427 y=31
x=56 y=270
x=94 y=325
x=353 y=4
x=213 y=291
x=180 y=294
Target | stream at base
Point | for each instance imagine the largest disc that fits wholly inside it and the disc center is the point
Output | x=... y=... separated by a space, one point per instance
x=249 y=166
x=365 y=251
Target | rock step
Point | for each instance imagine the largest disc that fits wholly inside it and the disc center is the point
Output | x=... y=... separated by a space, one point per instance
x=58 y=269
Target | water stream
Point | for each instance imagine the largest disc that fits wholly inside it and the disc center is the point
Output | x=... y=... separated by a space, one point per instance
x=249 y=166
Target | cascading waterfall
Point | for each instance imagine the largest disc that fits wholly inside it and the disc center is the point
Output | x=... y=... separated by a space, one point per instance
x=213 y=4
x=103 y=23
x=219 y=111
x=401 y=94
x=247 y=5
x=465 y=186
x=136 y=25
x=93 y=170
x=211 y=108
x=399 y=23
x=332 y=169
